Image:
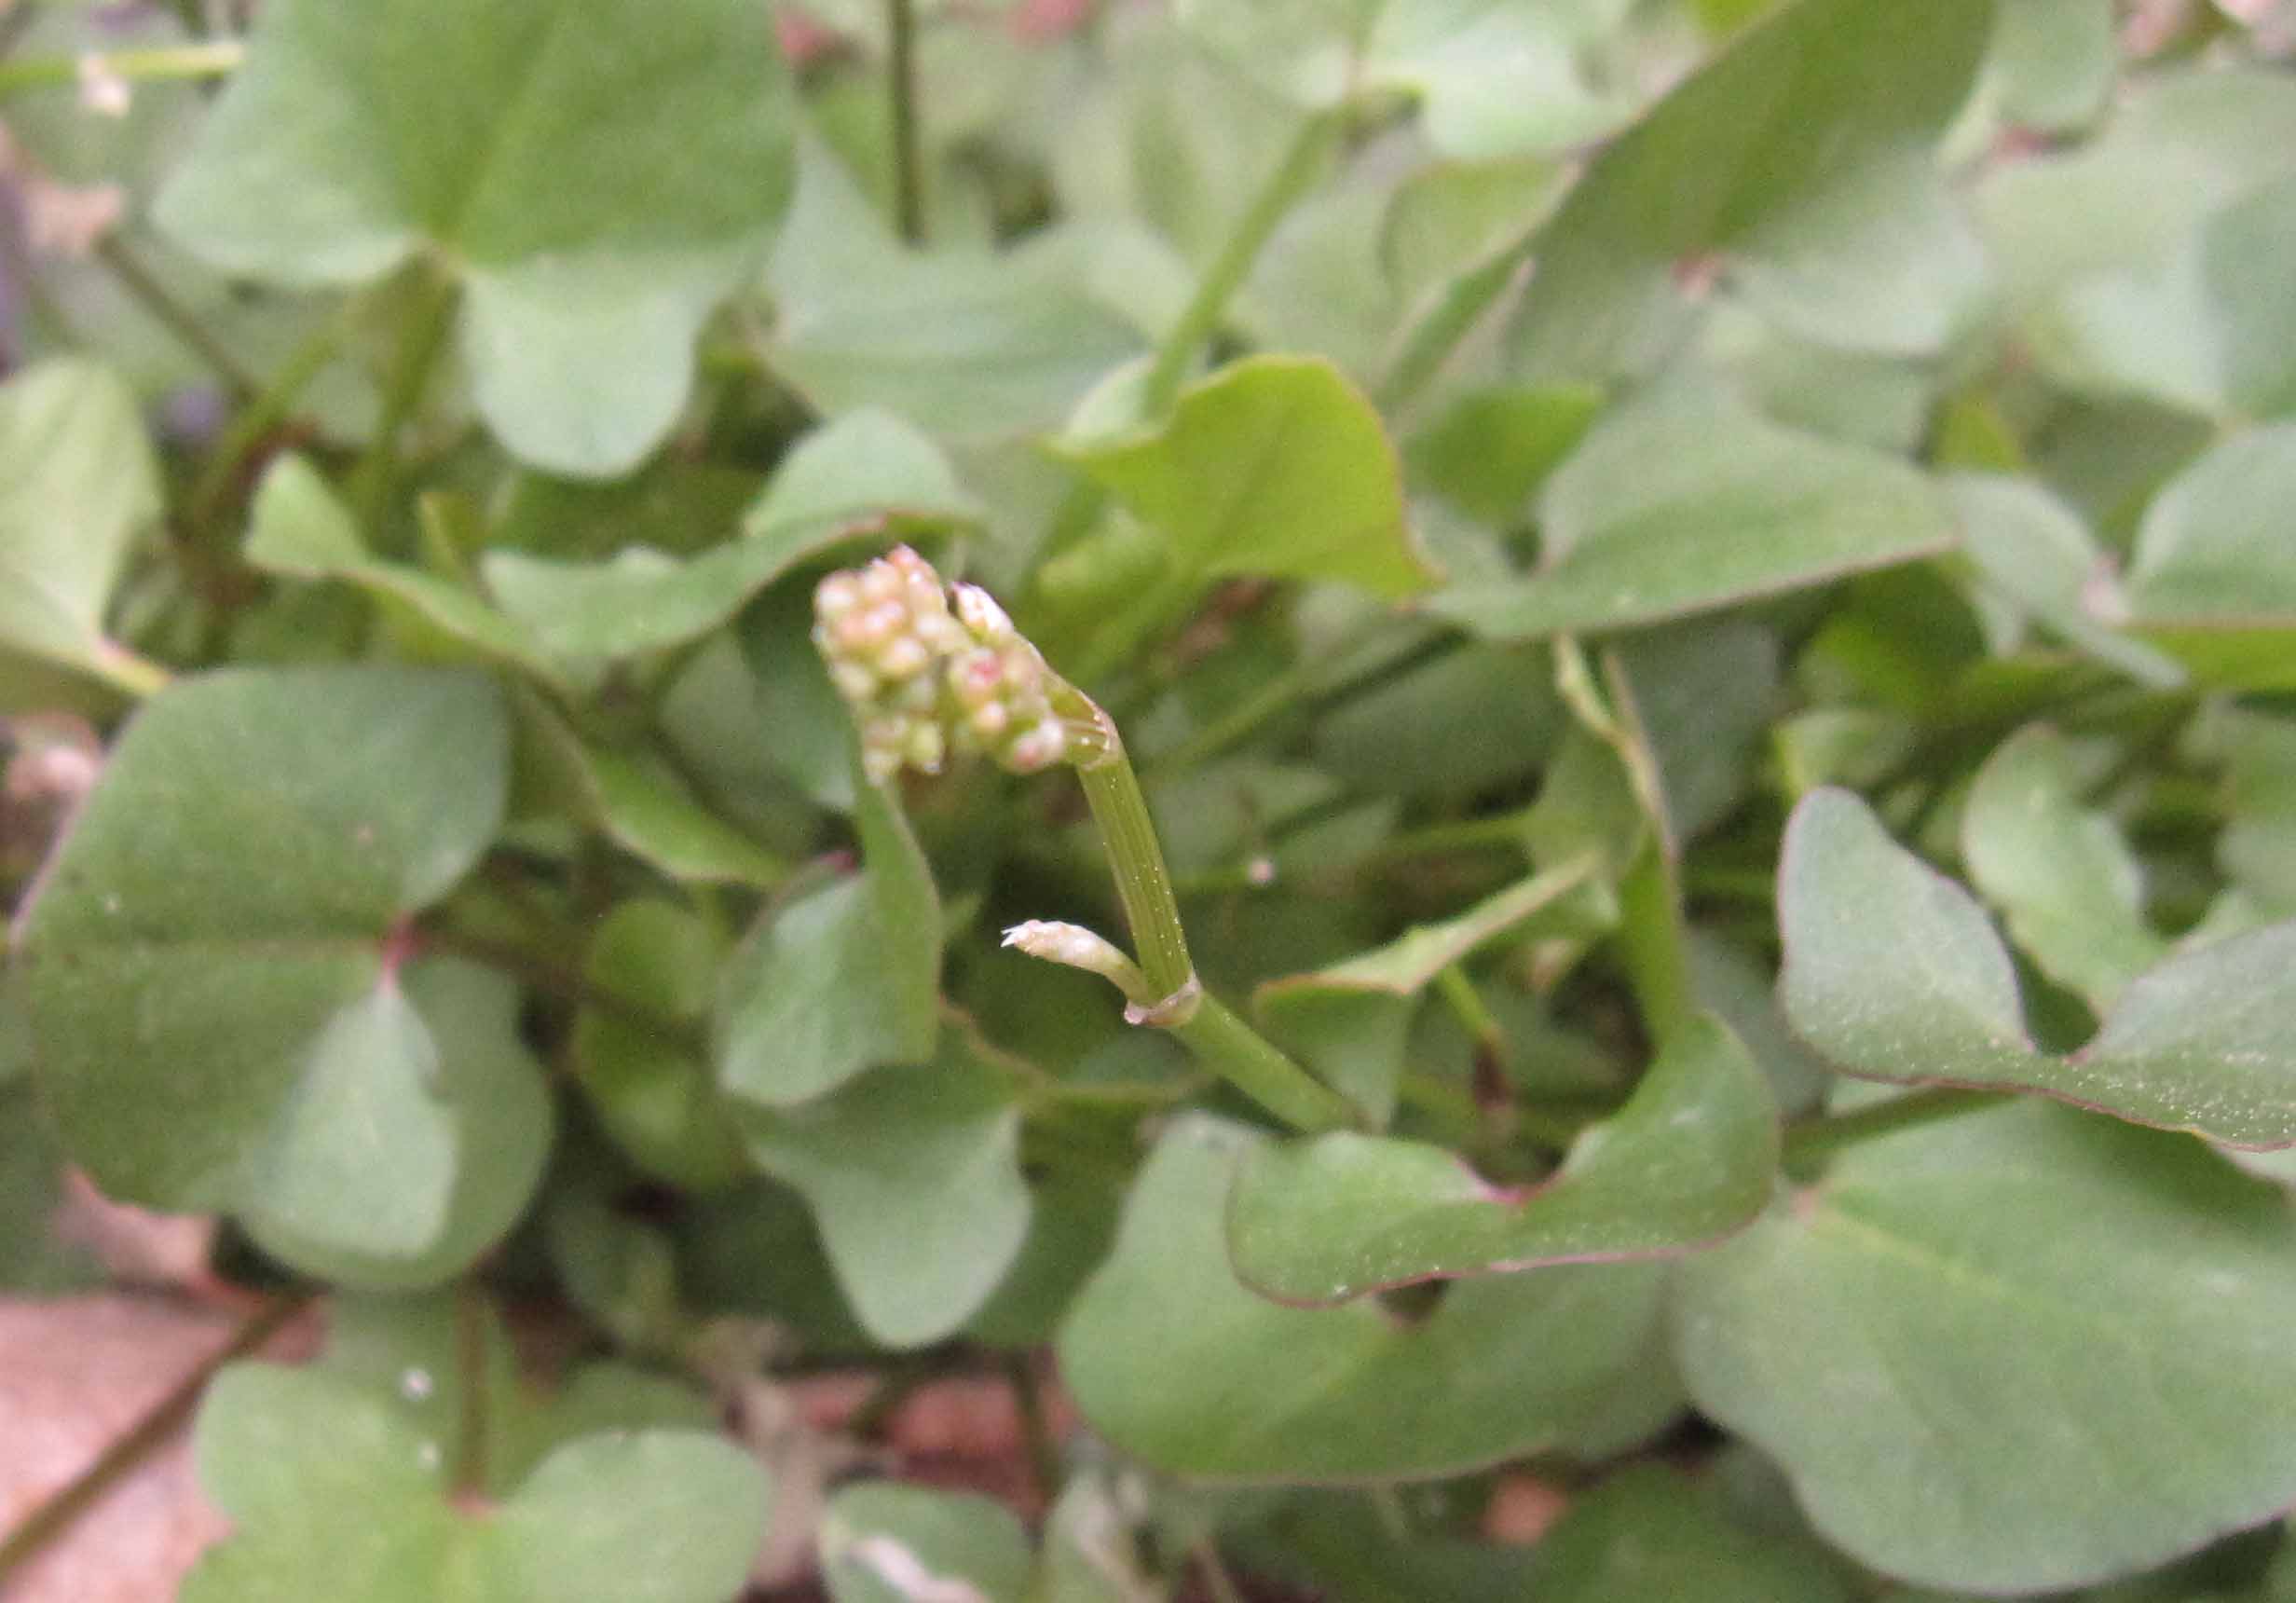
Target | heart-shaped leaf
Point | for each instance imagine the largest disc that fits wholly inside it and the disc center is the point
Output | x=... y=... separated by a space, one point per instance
x=844 y=979
x=342 y=1481
x=1800 y=166
x=2063 y=1336
x=1690 y=1158
x=213 y=969
x=599 y=179
x=1688 y=502
x=1892 y=973
x=79 y=484
x=1273 y=465
x=913 y=1175
x=1176 y=1361
x=867 y=473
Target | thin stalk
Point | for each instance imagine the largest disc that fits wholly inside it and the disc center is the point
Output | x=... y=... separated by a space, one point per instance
x=901 y=89
x=1247 y=1061
x=1653 y=942
x=51 y=1519
x=255 y=421
x=1226 y=1044
x=1217 y=1581
x=1035 y=1429
x=1143 y=884
x=173 y=315
x=1428 y=343
x=125 y=671
x=173 y=63
x=423 y=342
x=1293 y=174
x=1815 y=1139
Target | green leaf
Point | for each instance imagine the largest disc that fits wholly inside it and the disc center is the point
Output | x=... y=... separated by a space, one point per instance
x=967 y=344
x=213 y=970
x=2213 y=577
x=1800 y=166
x=2187 y=139
x=884 y=1542
x=1648 y=1531
x=1090 y=1554
x=1493 y=449
x=35 y=1258
x=80 y=485
x=865 y=473
x=1686 y=501
x=913 y=1174
x=2034 y=555
x=841 y=981
x=1349 y=1021
x=1273 y=465
x=1493 y=79
x=2051 y=65
x=2212 y=328
x=641 y=806
x=2061 y=1335
x=2066 y=882
x=302 y=530
x=653 y=1094
x=362 y=133
x=338 y=1481
x=1688 y=1161
x=1892 y=973
x=1177 y=1364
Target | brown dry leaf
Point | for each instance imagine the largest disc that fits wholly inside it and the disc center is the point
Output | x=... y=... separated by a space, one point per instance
x=75 y=1374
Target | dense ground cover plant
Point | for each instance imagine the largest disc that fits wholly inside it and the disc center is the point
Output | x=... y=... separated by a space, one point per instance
x=1608 y=794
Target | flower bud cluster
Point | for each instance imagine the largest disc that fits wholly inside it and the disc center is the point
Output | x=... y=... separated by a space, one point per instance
x=931 y=671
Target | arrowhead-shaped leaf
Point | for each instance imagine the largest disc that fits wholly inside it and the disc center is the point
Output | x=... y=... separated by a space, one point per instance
x=1690 y=1158
x=1688 y=501
x=599 y=178
x=1800 y=166
x=1274 y=465
x=1177 y=1363
x=2064 y=1337
x=1893 y=973
x=866 y=474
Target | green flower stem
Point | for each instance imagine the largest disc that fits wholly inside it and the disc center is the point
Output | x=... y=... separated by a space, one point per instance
x=1247 y=1061
x=901 y=90
x=173 y=63
x=423 y=342
x=1143 y=885
x=1814 y=1140
x=175 y=317
x=1222 y=1040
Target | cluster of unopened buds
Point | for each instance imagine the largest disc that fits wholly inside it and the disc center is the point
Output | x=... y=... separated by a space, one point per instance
x=931 y=671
